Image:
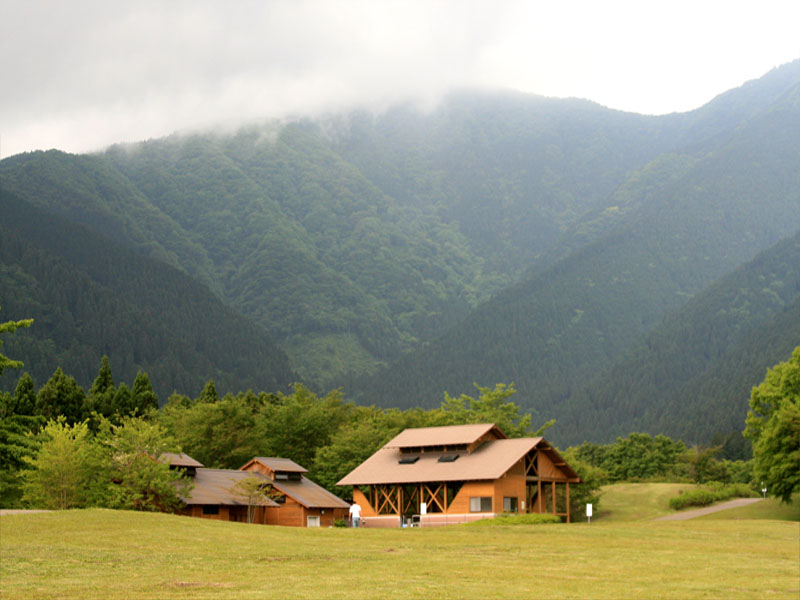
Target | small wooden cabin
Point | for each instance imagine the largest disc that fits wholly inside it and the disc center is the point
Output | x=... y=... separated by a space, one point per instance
x=300 y=501
x=211 y=496
x=455 y=474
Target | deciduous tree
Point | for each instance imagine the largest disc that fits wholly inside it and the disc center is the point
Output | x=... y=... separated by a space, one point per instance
x=773 y=424
x=60 y=470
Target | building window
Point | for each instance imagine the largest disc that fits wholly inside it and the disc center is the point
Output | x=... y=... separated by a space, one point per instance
x=210 y=509
x=312 y=521
x=509 y=504
x=480 y=504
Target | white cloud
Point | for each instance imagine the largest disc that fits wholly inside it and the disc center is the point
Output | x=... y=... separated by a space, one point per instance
x=83 y=74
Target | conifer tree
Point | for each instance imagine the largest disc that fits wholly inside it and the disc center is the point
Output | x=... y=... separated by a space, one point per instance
x=144 y=398
x=25 y=396
x=11 y=326
x=61 y=395
x=101 y=394
x=209 y=393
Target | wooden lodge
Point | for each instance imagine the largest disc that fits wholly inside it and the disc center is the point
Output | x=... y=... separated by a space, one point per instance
x=455 y=474
x=294 y=499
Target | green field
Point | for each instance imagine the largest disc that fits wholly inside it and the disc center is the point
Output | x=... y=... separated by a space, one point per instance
x=115 y=554
x=637 y=501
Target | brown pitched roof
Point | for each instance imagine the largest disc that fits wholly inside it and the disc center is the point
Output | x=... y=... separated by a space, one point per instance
x=449 y=435
x=309 y=494
x=277 y=464
x=179 y=460
x=212 y=486
x=488 y=462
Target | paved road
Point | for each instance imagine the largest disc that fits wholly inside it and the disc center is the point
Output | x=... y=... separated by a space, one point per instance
x=699 y=512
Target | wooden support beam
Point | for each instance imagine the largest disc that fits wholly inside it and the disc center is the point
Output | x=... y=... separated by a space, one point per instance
x=568 y=502
x=539 y=497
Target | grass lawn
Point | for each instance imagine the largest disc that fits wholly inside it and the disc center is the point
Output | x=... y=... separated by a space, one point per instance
x=111 y=554
x=636 y=501
x=766 y=509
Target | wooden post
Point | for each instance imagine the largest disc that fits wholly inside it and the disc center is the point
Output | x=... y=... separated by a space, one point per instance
x=568 y=502
x=554 y=497
x=539 y=497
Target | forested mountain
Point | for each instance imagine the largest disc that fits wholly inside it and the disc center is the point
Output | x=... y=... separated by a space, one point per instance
x=693 y=374
x=89 y=296
x=353 y=239
x=499 y=237
x=676 y=225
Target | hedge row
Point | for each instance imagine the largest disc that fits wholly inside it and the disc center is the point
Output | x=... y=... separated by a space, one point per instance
x=711 y=494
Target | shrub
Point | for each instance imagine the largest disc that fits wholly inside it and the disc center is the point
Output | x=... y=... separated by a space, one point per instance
x=714 y=492
x=511 y=519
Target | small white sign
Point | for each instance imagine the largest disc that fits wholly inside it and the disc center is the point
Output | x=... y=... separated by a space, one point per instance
x=423 y=508
x=588 y=510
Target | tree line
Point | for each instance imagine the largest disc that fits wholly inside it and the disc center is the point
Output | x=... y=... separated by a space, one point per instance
x=62 y=447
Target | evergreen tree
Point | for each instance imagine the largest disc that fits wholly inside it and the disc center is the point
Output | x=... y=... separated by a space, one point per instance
x=123 y=402
x=24 y=400
x=11 y=326
x=144 y=398
x=101 y=394
x=61 y=395
x=209 y=393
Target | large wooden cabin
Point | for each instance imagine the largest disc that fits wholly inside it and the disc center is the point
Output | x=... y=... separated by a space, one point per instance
x=455 y=474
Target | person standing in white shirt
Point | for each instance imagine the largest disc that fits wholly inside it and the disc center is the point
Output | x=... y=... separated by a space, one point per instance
x=355 y=514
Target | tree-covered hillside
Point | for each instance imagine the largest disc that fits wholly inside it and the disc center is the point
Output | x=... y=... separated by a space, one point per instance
x=89 y=296
x=675 y=226
x=693 y=374
x=353 y=240
x=498 y=237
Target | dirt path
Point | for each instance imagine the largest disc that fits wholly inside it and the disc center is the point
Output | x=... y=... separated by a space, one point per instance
x=16 y=511
x=699 y=512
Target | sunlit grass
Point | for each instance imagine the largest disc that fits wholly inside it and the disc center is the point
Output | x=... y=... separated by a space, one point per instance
x=108 y=554
x=766 y=509
x=637 y=501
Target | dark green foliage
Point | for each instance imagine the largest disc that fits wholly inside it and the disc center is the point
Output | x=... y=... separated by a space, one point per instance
x=144 y=398
x=692 y=375
x=220 y=434
x=17 y=444
x=298 y=424
x=672 y=229
x=9 y=327
x=24 y=399
x=92 y=297
x=62 y=396
x=635 y=458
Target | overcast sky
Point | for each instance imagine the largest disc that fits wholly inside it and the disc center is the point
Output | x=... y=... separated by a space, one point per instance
x=79 y=75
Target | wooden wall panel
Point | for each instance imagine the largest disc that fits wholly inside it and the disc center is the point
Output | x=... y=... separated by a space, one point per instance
x=547 y=469
x=512 y=484
x=361 y=500
x=460 y=503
